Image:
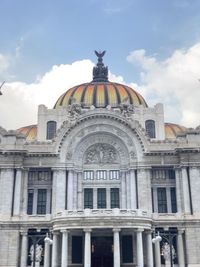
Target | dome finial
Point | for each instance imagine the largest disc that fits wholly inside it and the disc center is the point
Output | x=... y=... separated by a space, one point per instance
x=100 y=72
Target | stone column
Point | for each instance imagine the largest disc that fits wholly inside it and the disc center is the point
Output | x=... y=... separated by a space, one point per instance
x=178 y=190
x=64 y=260
x=194 y=173
x=149 y=249
x=180 y=248
x=6 y=191
x=46 y=253
x=128 y=185
x=55 y=250
x=75 y=189
x=25 y=191
x=185 y=193
x=140 y=257
x=157 y=254
x=80 y=205
x=70 y=190
x=24 y=249
x=144 y=189
x=123 y=190
x=17 y=192
x=87 y=249
x=133 y=190
x=59 y=190
x=116 y=248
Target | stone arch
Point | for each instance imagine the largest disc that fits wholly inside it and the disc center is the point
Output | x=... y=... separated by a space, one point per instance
x=126 y=134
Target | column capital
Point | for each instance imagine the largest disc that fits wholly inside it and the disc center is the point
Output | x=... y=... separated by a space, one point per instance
x=148 y=231
x=181 y=231
x=139 y=230
x=87 y=230
x=24 y=232
x=116 y=230
x=55 y=232
x=58 y=169
x=64 y=231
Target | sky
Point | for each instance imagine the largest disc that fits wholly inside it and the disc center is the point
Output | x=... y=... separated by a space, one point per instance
x=48 y=46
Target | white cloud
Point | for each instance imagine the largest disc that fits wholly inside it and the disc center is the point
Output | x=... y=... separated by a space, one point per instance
x=19 y=102
x=4 y=63
x=173 y=81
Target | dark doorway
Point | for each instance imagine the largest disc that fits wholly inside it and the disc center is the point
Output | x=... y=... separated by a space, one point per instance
x=102 y=252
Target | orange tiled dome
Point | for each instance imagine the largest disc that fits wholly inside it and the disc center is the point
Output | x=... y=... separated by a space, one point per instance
x=29 y=131
x=100 y=94
x=171 y=130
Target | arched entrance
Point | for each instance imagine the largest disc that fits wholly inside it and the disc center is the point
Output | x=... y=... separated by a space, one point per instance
x=102 y=251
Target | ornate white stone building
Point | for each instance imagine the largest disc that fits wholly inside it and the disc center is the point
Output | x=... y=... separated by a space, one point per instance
x=102 y=174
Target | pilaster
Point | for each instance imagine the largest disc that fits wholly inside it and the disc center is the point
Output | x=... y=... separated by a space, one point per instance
x=59 y=190
x=24 y=249
x=70 y=190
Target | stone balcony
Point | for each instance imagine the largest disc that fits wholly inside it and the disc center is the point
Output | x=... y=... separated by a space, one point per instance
x=103 y=218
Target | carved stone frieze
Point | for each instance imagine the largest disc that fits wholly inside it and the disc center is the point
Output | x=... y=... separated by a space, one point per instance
x=101 y=153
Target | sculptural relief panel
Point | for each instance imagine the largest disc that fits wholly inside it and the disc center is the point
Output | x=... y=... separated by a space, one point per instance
x=101 y=154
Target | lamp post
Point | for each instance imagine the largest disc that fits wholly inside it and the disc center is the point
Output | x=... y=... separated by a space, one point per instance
x=168 y=237
x=156 y=241
x=1 y=87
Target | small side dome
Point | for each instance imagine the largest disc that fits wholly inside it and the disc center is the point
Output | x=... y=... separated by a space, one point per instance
x=30 y=132
x=171 y=130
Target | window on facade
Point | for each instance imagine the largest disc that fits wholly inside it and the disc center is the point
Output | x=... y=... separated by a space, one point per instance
x=101 y=198
x=41 y=201
x=127 y=249
x=150 y=128
x=77 y=249
x=88 y=175
x=39 y=191
x=30 y=201
x=101 y=175
x=173 y=199
x=114 y=175
x=51 y=130
x=88 y=198
x=164 y=190
x=163 y=173
x=162 y=200
x=114 y=198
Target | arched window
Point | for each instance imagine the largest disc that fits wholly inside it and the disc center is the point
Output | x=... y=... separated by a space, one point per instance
x=51 y=130
x=150 y=128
